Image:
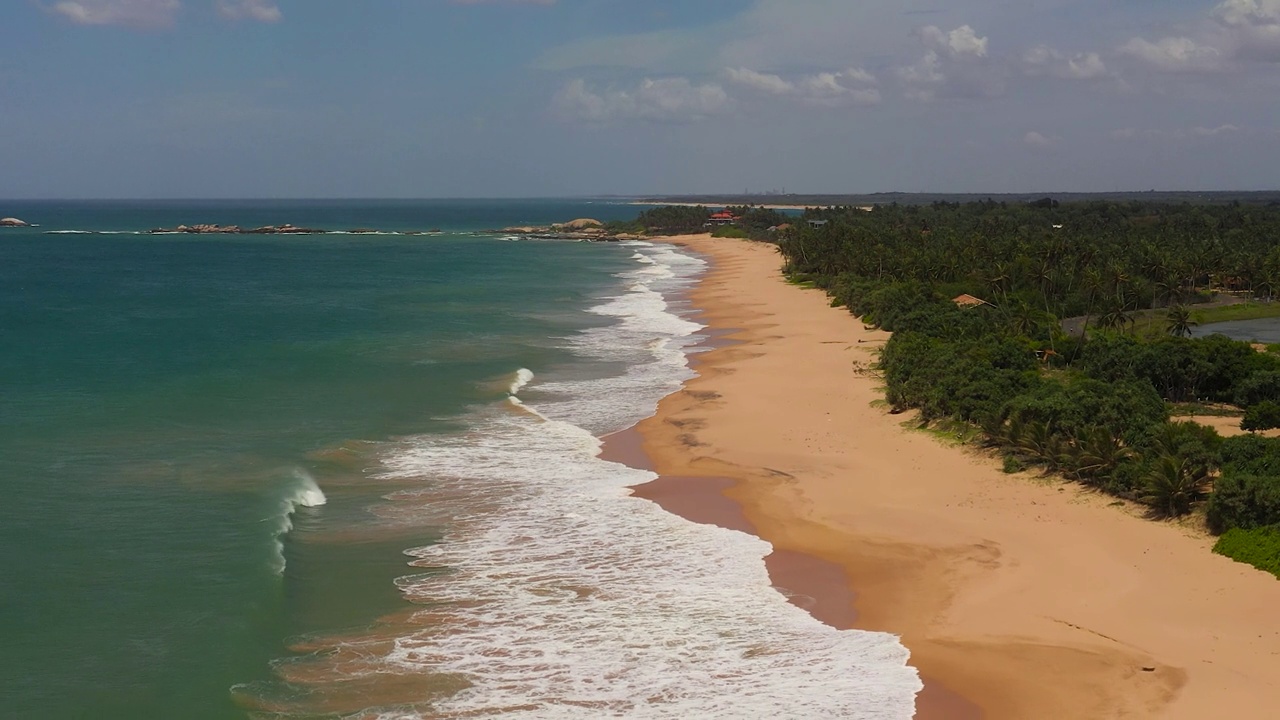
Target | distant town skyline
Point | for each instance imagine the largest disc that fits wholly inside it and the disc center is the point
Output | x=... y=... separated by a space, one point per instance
x=538 y=98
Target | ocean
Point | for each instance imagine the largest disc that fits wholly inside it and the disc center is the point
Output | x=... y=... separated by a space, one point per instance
x=356 y=476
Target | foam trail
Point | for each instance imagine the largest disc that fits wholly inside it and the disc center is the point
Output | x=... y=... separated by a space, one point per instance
x=301 y=492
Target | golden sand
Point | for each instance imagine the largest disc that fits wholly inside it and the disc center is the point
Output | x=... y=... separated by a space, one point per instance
x=1032 y=598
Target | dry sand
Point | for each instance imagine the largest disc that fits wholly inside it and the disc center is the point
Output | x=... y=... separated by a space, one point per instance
x=1226 y=426
x=1031 y=598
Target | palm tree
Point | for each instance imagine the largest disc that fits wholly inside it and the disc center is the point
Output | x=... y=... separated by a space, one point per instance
x=1101 y=453
x=1039 y=441
x=1114 y=315
x=1179 y=321
x=1022 y=319
x=1174 y=484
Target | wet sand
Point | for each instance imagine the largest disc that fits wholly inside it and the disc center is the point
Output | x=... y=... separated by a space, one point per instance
x=1024 y=597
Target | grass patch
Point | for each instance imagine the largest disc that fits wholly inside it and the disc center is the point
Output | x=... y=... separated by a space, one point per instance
x=729 y=231
x=1239 y=311
x=1259 y=547
x=950 y=432
x=1195 y=409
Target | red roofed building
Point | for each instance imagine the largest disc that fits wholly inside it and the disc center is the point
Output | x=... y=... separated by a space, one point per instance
x=724 y=217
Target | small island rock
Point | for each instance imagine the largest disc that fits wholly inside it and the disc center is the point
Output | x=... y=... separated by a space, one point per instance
x=13 y=222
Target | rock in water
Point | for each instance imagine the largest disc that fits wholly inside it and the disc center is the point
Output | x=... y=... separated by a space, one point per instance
x=13 y=222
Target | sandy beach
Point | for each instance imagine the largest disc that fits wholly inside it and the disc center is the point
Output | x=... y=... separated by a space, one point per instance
x=1022 y=596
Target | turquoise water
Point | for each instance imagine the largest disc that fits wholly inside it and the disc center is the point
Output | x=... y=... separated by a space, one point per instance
x=354 y=476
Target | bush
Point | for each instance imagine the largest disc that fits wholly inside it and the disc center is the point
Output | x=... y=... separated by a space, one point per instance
x=1251 y=454
x=1244 y=500
x=1128 y=409
x=1013 y=465
x=1174 y=485
x=1263 y=416
x=1259 y=547
x=1258 y=387
x=729 y=231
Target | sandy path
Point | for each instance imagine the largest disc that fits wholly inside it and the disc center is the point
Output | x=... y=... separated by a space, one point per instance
x=1032 y=598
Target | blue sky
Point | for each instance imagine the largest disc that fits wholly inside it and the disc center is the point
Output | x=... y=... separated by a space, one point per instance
x=453 y=98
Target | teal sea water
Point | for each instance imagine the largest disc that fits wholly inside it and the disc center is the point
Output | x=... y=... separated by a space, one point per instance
x=356 y=476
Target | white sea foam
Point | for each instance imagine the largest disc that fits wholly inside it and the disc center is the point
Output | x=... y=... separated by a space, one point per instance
x=565 y=597
x=649 y=336
x=523 y=377
x=301 y=491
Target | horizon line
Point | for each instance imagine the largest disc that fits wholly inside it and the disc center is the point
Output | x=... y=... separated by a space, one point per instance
x=631 y=196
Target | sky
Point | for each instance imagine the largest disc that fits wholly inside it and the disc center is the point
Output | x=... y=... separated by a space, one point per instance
x=542 y=98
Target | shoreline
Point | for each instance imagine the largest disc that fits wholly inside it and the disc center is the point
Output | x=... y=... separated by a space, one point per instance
x=766 y=206
x=1025 y=597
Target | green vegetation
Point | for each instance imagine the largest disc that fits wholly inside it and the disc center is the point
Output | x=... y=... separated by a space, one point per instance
x=674 y=220
x=1259 y=547
x=730 y=231
x=1263 y=416
x=751 y=222
x=1090 y=405
x=1237 y=311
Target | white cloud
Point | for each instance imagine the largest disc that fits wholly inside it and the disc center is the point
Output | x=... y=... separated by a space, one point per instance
x=762 y=82
x=136 y=13
x=1248 y=13
x=673 y=99
x=1043 y=60
x=1219 y=130
x=854 y=86
x=1039 y=140
x=1174 y=54
x=956 y=43
x=955 y=64
x=1234 y=31
x=1252 y=28
x=260 y=10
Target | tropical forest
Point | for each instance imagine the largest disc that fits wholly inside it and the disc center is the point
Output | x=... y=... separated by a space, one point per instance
x=1058 y=336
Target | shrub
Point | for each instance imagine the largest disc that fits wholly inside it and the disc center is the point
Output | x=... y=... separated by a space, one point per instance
x=1013 y=465
x=1259 y=547
x=1258 y=387
x=1263 y=416
x=1129 y=409
x=729 y=231
x=1244 y=500
x=1251 y=454
x=1173 y=485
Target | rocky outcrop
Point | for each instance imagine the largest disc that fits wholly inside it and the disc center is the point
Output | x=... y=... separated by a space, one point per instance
x=206 y=229
x=285 y=229
x=579 y=224
x=580 y=229
x=13 y=222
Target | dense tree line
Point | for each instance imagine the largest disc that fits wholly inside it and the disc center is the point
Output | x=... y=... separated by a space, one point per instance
x=752 y=222
x=1092 y=406
x=1103 y=258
